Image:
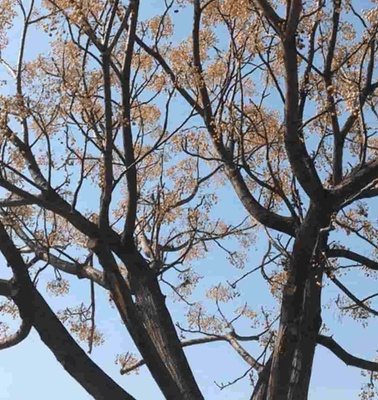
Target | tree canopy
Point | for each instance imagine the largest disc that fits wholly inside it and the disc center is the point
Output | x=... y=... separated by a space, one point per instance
x=136 y=144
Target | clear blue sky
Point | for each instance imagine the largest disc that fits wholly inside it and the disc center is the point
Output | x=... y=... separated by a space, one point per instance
x=29 y=370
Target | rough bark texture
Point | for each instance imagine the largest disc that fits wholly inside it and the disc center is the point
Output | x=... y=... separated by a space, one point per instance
x=147 y=319
x=34 y=310
x=159 y=325
x=300 y=314
x=68 y=353
x=261 y=389
x=133 y=317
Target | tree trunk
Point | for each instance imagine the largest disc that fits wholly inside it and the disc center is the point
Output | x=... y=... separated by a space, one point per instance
x=289 y=377
x=290 y=371
x=158 y=323
x=132 y=316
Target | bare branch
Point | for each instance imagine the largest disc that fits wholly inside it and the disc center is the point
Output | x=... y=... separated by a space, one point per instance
x=128 y=147
x=347 y=358
x=35 y=311
x=17 y=337
x=351 y=255
x=273 y=18
x=355 y=184
x=5 y=288
x=80 y=270
x=230 y=338
x=344 y=289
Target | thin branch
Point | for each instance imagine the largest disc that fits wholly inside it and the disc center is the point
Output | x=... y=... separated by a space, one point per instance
x=345 y=290
x=231 y=338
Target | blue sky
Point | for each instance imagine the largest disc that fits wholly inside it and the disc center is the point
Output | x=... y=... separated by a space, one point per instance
x=30 y=370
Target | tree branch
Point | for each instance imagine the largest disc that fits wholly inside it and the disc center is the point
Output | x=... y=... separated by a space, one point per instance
x=5 y=288
x=270 y=14
x=354 y=185
x=344 y=289
x=229 y=337
x=300 y=161
x=254 y=208
x=128 y=148
x=35 y=311
x=79 y=270
x=347 y=358
x=351 y=255
x=15 y=202
x=17 y=337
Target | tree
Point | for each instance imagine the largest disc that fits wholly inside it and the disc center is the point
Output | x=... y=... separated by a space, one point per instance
x=119 y=135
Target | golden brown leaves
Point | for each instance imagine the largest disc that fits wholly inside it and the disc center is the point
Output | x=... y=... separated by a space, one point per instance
x=7 y=14
x=127 y=361
x=199 y=320
x=221 y=293
x=58 y=287
x=79 y=322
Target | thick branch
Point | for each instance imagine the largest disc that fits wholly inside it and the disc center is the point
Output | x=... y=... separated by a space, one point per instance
x=79 y=270
x=17 y=337
x=156 y=319
x=274 y=19
x=15 y=202
x=107 y=178
x=353 y=186
x=338 y=141
x=151 y=347
x=5 y=288
x=262 y=215
x=300 y=161
x=351 y=255
x=35 y=311
x=128 y=148
x=292 y=18
x=53 y=202
x=344 y=356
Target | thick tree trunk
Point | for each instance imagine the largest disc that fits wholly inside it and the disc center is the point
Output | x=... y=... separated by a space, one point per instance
x=289 y=377
x=132 y=316
x=291 y=365
x=159 y=325
x=290 y=373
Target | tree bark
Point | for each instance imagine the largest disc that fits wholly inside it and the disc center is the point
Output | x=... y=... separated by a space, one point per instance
x=158 y=323
x=68 y=353
x=292 y=359
x=133 y=317
x=293 y=356
x=261 y=389
x=35 y=311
